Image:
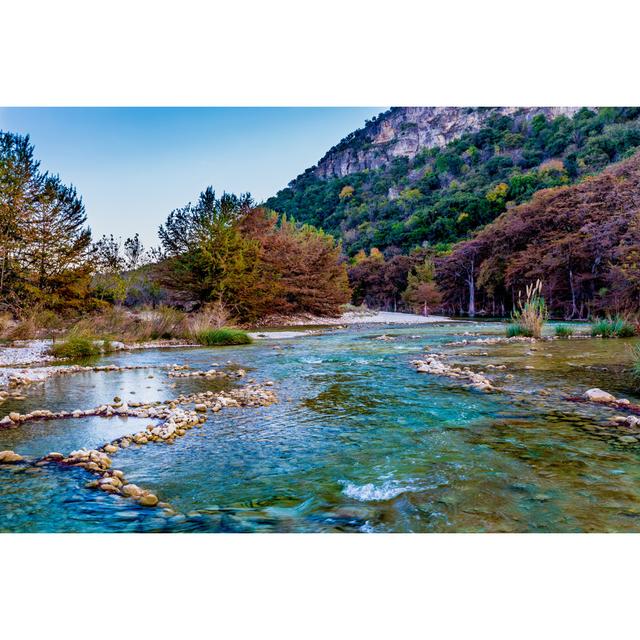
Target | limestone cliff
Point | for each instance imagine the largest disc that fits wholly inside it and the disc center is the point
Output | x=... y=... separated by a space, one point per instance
x=404 y=131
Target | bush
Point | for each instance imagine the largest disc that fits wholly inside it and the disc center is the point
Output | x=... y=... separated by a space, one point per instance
x=75 y=347
x=222 y=337
x=613 y=328
x=564 y=331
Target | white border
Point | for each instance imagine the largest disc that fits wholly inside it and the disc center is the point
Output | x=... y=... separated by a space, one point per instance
x=335 y=52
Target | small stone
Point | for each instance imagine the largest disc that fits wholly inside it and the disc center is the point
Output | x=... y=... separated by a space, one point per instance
x=110 y=488
x=54 y=455
x=132 y=490
x=117 y=399
x=110 y=448
x=201 y=407
x=627 y=439
x=14 y=416
x=148 y=500
x=9 y=457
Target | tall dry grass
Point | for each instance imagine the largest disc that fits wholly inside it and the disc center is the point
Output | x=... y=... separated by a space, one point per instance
x=530 y=313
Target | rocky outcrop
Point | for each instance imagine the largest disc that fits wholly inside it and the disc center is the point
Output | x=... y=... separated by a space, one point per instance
x=404 y=131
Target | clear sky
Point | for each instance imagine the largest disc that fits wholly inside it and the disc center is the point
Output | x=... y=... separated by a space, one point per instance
x=132 y=166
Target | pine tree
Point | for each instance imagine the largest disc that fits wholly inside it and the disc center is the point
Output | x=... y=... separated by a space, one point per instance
x=56 y=245
x=20 y=183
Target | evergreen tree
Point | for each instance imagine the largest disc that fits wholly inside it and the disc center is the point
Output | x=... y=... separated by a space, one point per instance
x=55 y=255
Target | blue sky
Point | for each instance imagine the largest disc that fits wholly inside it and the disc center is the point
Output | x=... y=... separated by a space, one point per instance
x=132 y=166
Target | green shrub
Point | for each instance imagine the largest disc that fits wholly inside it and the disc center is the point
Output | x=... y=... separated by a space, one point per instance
x=564 y=331
x=627 y=330
x=75 y=347
x=516 y=329
x=613 y=328
x=222 y=337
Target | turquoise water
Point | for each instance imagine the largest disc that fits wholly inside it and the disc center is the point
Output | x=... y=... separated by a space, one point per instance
x=359 y=442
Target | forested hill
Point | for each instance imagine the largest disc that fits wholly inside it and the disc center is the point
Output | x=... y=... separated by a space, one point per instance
x=434 y=175
x=582 y=242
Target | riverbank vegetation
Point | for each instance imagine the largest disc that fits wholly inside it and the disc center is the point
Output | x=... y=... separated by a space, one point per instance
x=225 y=260
x=582 y=241
x=222 y=337
x=613 y=328
x=74 y=347
x=225 y=253
x=530 y=313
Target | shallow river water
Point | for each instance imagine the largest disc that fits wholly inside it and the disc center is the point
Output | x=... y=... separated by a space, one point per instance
x=359 y=442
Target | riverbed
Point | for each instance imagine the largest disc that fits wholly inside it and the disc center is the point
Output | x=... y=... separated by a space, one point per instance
x=358 y=441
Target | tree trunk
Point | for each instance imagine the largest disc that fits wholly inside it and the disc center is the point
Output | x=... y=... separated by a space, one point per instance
x=574 y=309
x=472 y=290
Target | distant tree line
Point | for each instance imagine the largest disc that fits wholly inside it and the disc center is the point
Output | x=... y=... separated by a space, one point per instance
x=225 y=250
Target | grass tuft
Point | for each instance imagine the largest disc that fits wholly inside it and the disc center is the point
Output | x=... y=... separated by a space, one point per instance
x=516 y=329
x=530 y=314
x=222 y=337
x=616 y=327
x=75 y=347
x=564 y=331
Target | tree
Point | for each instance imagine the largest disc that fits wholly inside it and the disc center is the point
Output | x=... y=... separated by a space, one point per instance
x=134 y=254
x=230 y=251
x=45 y=245
x=20 y=183
x=422 y=293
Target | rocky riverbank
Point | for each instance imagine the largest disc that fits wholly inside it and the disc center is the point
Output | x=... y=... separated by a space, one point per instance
x=176 y=421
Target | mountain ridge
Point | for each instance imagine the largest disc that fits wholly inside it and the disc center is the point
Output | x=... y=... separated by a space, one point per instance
x=405 y=131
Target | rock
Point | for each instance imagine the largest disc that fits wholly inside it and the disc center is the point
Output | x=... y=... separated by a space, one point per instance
x=117 y=399
x=9 y=457
x=54 y=455
x=6 y=422
x=627 y=439
x=201 y=407
x=148 y=500
x=110 y=448
x=598 y=395
x=14 y=416
x=132 y=490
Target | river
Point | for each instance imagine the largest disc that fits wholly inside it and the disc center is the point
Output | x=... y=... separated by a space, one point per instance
x=358 y=442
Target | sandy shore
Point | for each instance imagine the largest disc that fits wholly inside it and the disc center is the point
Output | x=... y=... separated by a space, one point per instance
x=351 y=318
x=387 y=317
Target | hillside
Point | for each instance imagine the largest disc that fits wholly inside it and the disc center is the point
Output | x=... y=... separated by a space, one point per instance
x=435 y=175
x=582 y=242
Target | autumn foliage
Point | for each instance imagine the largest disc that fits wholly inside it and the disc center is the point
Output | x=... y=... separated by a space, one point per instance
x=581 y=241
x=255 y=263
